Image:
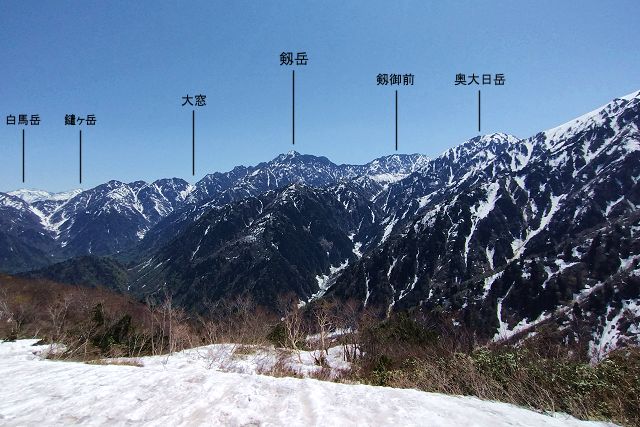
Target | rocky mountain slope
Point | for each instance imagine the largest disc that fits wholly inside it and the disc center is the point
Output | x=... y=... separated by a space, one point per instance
x=115 y=217
x=541 y=228
x=505 y=235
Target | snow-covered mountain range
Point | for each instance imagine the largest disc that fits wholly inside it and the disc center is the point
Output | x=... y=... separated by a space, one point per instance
x=115 y=216
x=504 y=234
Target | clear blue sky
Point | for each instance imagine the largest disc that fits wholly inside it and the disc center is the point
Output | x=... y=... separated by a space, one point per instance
x=129 y=63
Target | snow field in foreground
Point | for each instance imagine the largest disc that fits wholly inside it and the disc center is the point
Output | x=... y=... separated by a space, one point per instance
x=188 y=388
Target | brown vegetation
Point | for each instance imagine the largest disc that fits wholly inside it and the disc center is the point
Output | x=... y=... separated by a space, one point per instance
x=542 y=374
x=94 y=323
x=424 y=352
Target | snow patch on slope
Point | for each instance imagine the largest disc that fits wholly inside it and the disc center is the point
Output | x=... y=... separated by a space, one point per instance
x=480 y=212
x=326 y=281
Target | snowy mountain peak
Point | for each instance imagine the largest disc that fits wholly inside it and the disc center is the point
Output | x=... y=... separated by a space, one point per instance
x=592 y=119
x=484 y=145
x=290 y=155
x=630 y=96
x=11 y=201
x=503 y=231
x=493 y=138
x=31 y=196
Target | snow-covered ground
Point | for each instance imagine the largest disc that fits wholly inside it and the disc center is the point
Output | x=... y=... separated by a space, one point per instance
x=249 y=359
x=189 y=389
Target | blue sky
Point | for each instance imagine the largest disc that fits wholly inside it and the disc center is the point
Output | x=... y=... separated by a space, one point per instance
x=129 y=63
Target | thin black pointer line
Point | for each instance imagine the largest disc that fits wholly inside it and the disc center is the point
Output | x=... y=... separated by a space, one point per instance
x=193 y=142
x=22 y=155
x=479 y=111
x=80 y=156
x=396 y=120
x=293 y=107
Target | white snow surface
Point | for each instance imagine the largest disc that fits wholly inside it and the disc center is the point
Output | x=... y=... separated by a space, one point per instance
x=480 y=212
x=326 y=281
x=560 y=134
x=388 y=178
x=181 y=390
x=31 y=196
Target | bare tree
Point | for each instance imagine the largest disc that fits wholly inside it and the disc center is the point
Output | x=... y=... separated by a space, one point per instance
x=292 y=322
x=5 y=311
x=324 y=322
x=58 y=311
x=294 y=328
x=348 y=320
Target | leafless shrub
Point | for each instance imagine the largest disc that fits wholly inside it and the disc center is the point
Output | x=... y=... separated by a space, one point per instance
x=117 y=362
x=58 y=311
x=237 y=319
x=245 y=349
x=281 y=367
x=5 y=311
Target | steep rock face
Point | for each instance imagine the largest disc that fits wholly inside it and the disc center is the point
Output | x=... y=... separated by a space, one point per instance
x=23 y=242
x=296 y=168
x=104 y=220
x=219 y=189
x=292 y=240
x=507 y=243
x=114 y=216
x=505 y=234
x=129 y=218
x=457 y=168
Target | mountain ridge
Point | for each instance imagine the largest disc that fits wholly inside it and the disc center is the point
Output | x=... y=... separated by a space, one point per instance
x=503 y=233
